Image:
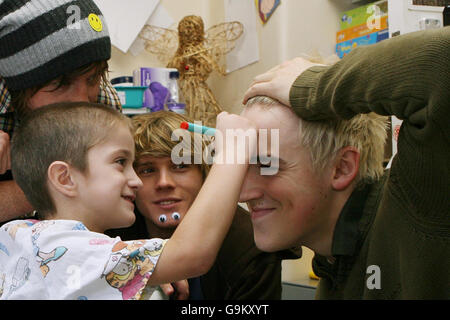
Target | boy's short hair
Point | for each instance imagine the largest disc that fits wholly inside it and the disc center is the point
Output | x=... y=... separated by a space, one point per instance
x=153 y=137
x=58 y=132
x=366 y=132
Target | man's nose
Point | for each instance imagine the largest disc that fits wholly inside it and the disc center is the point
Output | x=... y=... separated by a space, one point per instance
x=165 y=179
x=252 y=188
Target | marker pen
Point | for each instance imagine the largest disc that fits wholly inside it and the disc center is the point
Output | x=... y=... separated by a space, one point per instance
x=197 y=128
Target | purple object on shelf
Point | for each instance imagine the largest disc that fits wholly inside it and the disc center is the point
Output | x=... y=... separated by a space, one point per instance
x=148 y=99
x=160 y=96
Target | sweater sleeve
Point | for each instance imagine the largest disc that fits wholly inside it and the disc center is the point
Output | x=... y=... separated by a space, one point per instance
x=409 y=77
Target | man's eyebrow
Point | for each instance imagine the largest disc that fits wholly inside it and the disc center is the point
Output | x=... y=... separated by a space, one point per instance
x=276 y=159
x=281 y=161
x=142 y=163
x=268 y=157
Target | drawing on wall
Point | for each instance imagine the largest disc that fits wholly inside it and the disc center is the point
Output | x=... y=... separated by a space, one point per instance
x=266 y=8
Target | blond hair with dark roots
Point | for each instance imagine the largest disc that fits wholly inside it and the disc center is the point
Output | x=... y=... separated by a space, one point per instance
x=153 y=137
x=365 y=132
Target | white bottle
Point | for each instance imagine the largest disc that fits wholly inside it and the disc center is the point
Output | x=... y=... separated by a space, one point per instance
x=175 y=102
x=173 y=87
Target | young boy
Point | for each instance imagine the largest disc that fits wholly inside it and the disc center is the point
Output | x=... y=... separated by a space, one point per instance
x=50 y=51
x=74 y=162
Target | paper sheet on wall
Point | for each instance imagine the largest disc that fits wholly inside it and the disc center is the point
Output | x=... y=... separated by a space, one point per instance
x=159 y=18
x=125 y=19
x=247 y=48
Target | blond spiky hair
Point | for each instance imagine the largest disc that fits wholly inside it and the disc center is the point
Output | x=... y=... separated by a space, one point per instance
x=365 y=132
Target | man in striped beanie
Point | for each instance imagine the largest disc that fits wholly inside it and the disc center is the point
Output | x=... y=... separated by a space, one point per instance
x=50 y=51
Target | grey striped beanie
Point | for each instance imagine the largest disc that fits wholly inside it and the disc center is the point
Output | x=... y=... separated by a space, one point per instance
x=41 y=40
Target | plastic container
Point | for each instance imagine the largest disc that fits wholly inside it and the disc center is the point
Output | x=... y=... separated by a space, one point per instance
x=176 y=99
x=177 y=108
x=125 y=81
x=131 y=97
x=148 y=102
x=173 y=88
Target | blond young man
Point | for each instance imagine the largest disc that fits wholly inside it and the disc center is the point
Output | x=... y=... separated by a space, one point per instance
x=376 y=235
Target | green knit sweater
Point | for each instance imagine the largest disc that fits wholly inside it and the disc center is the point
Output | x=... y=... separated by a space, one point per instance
x=398 y=244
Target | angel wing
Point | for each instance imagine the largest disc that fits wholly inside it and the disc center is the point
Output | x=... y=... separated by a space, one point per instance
x=221 y=38
x=161 y=42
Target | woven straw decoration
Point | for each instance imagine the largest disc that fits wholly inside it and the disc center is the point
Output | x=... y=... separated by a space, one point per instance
x=195 y=53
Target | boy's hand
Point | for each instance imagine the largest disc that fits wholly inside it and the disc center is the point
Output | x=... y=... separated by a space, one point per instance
x=5 y=152
x=176 y=291
x=277 y=82
x=235 y=139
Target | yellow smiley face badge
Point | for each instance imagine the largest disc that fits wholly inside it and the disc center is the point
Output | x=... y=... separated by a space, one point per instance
x=95 y=22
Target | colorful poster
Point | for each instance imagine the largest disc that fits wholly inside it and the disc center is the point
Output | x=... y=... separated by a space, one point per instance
x=266 y=8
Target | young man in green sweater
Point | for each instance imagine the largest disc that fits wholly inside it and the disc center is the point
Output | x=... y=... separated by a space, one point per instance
x=376 y=235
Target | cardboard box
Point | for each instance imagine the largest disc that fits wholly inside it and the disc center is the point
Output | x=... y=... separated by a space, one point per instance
x=141 y=77
x=344 y=48
x=362 y=30
x=362 y=14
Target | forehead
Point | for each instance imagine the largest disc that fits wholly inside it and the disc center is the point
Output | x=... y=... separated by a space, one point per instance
x=276 y=117
x=156 y=161
x=118 y=137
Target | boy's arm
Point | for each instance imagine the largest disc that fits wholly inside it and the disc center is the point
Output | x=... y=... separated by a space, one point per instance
x=13 y=202
x=192 y=249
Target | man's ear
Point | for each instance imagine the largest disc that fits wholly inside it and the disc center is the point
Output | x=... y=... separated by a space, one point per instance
x=60 y=178
x=346 y=168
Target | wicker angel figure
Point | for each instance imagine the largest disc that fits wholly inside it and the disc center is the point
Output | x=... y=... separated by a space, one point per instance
x=195 y=53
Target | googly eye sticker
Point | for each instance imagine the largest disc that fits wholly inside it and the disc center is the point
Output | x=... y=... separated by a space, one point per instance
x=176 y=216
x=163 y=218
